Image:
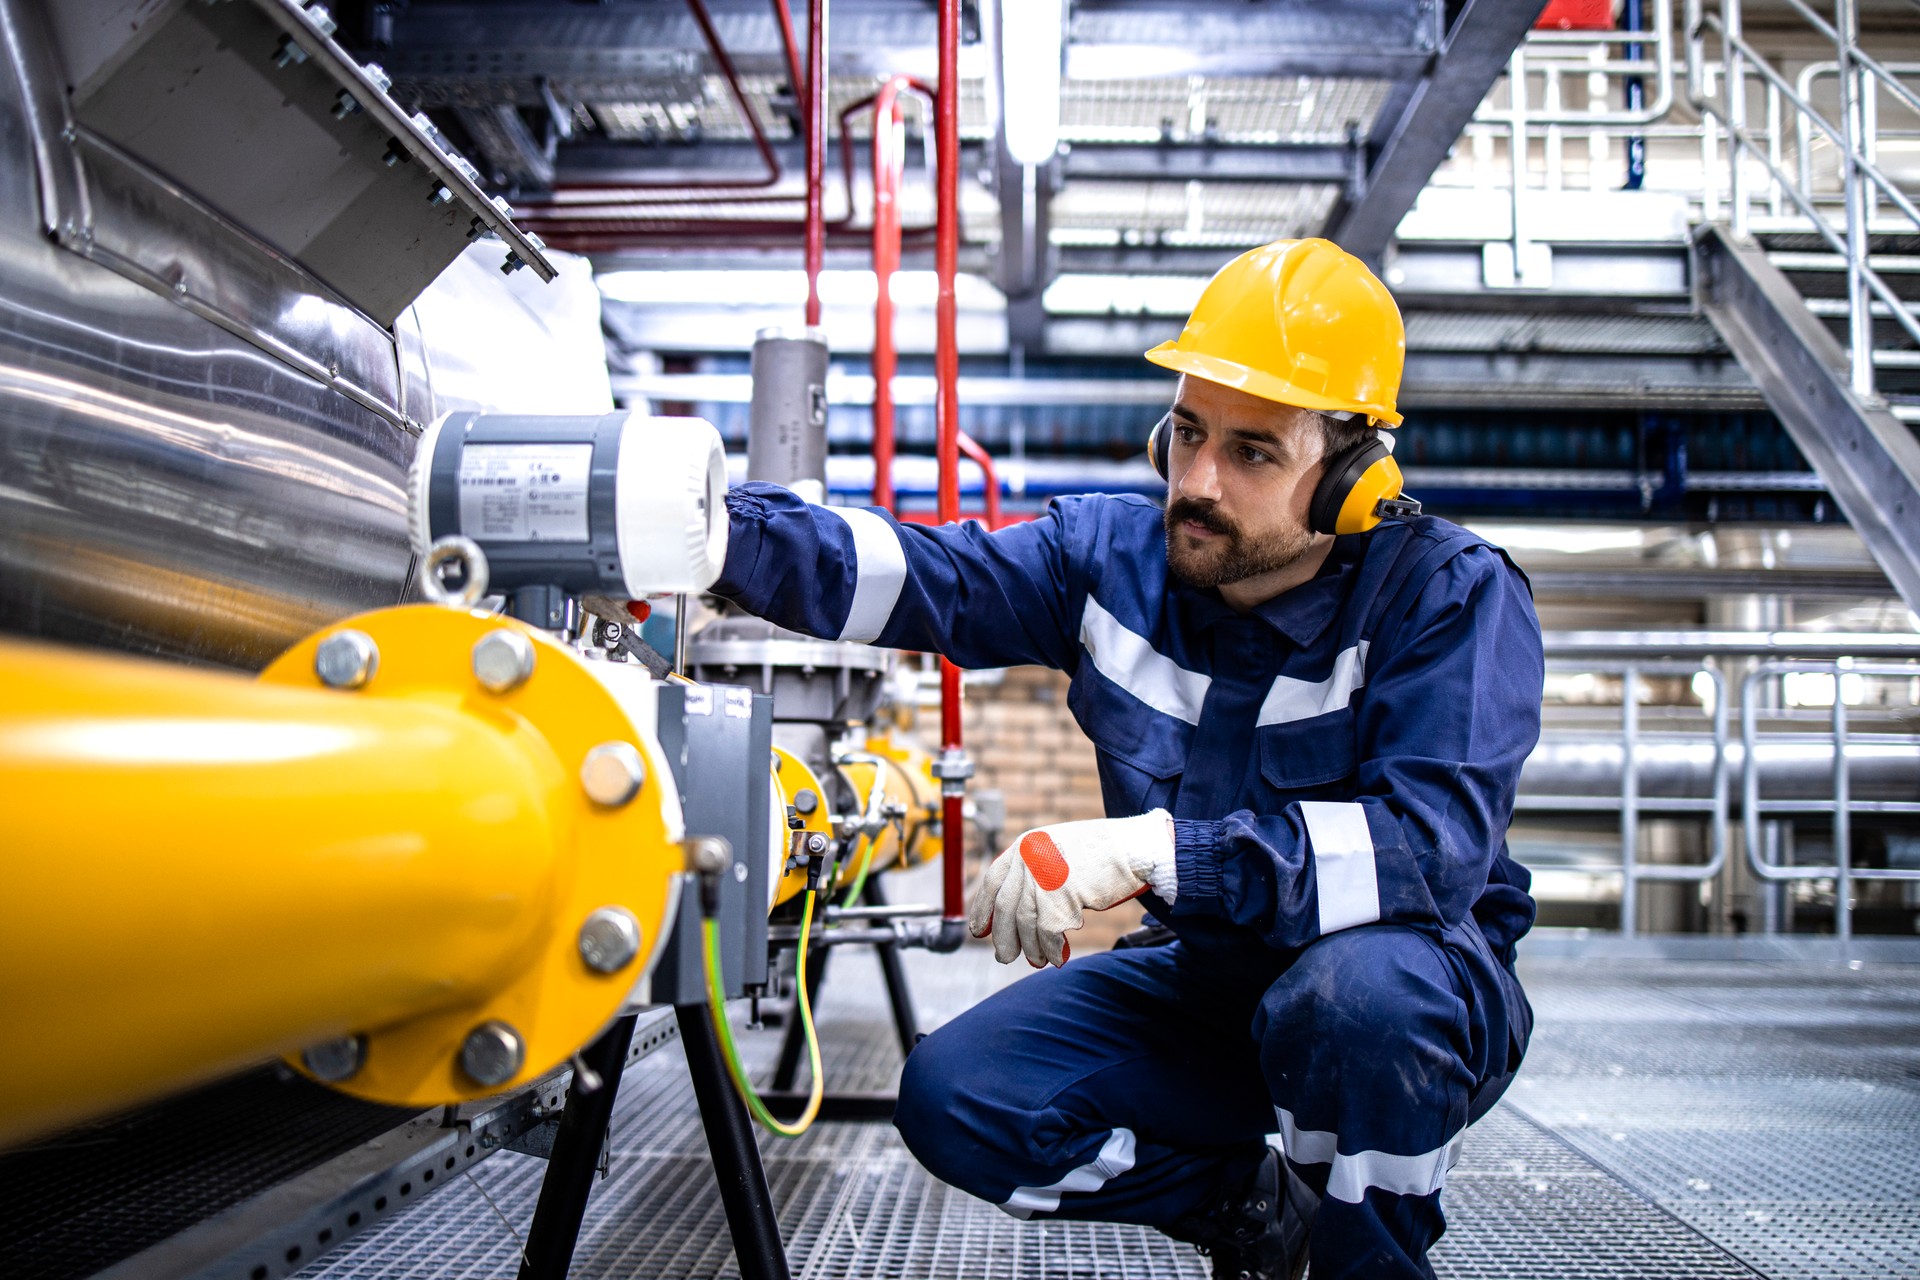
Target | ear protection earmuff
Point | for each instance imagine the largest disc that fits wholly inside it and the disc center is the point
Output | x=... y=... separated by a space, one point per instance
x=1360 y=488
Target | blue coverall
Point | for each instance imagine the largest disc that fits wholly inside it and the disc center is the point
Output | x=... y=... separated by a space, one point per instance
x=1340 y=764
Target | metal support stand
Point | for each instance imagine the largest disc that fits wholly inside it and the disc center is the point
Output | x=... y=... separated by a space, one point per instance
x=782 y=1099
x=736 y=1160
x=575 y=1155
x=905 y=1024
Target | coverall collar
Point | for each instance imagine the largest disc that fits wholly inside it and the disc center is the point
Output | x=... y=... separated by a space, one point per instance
x=1302 y=613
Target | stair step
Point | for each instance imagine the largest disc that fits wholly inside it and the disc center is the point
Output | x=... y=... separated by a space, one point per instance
x=1906 y=412
x=1897 y=359
x=1885 y=264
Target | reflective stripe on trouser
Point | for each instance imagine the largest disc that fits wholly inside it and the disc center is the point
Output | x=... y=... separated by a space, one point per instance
x=1140 y=1086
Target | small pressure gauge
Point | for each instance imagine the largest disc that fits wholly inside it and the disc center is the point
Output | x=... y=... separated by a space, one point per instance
x=622 y=505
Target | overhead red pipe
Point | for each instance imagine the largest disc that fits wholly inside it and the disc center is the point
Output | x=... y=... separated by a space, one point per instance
x=791 y=47
x=603 y=225
x=954 y=767
x=816 y=124
x=984 y=460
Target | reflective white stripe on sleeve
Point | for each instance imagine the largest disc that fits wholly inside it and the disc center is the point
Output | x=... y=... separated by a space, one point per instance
x=1353 y=1175
x=1115 y=1158
x=1126 y=658
x=880 y=565
x=1292 y=699
x=1343 y=872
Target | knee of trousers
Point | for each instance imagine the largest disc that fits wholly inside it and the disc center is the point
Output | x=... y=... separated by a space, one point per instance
x=1366 y=1008
x=945 y=1112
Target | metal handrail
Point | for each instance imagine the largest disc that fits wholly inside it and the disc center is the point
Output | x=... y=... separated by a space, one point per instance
x=1873 y=280
x=1864 y=185
x=1659 y=34
x=1631 y=804
x=1842 y=871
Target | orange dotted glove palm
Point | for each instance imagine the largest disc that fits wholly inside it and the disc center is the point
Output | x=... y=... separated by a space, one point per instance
x=1039 y=889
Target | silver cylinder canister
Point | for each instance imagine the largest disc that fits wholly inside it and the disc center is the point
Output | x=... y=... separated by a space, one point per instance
x=787 y=424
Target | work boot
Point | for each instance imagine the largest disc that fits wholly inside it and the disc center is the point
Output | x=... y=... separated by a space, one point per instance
x=1261 y=1233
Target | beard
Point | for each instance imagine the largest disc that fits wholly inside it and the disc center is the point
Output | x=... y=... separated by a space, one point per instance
x=1234 y=555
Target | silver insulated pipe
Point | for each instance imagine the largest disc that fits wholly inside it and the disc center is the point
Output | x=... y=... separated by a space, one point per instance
x=787 y=422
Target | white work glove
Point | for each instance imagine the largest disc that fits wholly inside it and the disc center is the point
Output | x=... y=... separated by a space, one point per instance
x=1039 y=888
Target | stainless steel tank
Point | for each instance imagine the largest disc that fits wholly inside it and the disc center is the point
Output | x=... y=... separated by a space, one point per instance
x=202 y=446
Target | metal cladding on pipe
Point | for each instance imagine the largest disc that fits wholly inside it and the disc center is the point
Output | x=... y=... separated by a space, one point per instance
x=1795 y=766
x=787 y=421
x=216 y=870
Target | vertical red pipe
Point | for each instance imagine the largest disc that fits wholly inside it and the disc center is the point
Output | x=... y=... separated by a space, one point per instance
x=954 y=767
x=887 y=165
x=816 y=127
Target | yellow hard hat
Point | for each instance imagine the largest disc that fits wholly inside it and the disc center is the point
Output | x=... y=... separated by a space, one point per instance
x=1301 y=322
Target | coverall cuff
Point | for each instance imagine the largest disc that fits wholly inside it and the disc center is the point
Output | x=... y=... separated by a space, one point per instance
x=746 y=514
x=1196 y=860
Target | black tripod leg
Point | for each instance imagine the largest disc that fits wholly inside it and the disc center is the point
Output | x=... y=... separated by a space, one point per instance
x=575 y=1156
x=736 y=1160
x=793 y=1042
x=905 y=1024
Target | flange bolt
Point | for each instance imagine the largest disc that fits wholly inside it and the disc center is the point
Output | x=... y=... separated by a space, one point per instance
x=709 y=855
x=335 y=1060
x=610 y=939
x=492 y=1053
x=613 y=773
x=346 y=660
x=502 y=660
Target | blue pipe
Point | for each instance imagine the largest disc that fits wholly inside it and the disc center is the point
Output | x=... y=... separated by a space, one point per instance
x=1636 y=20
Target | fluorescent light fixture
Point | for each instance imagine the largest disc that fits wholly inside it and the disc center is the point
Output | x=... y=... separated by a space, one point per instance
x=1032 y=34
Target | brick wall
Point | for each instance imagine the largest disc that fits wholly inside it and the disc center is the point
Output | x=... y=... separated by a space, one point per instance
x=1026 y=746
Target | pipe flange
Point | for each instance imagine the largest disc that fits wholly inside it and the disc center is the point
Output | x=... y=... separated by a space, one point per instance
x=605 y=862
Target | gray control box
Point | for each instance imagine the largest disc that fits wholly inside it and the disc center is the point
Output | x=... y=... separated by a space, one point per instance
x=719 y=742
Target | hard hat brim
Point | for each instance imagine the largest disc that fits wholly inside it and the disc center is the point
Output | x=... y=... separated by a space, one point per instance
x=1255 y=382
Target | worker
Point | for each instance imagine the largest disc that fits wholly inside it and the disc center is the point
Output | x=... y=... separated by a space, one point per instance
x=1310 y=707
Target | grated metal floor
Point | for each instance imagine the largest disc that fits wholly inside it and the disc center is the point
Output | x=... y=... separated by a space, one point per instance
x=1673 y=1120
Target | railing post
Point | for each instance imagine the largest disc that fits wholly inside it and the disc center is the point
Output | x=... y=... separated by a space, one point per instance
x=1859 y=299
x=1517 y=147
x=1842 y=820
x=1629 y=799
x=1776 y=200
x=1736 y=86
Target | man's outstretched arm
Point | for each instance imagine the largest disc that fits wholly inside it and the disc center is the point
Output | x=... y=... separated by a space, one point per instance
x=852 y=573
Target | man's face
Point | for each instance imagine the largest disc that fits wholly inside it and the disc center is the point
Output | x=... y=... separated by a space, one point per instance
x=1240 y=476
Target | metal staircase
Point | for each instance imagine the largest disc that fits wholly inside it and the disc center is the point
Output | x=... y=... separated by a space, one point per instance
x=1813 y=273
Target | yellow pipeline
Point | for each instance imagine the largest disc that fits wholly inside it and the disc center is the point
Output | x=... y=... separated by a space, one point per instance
x=203 y=870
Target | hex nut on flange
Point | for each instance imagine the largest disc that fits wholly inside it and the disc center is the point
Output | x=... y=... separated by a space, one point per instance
x=502 y=660
x=492 y=1053
x=346 y=660
x=709 y=855
x=609 y=939
x=613 y=774
x=335 y=1060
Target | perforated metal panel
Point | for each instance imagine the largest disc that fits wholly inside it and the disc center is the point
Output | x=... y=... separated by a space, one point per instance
x=1675 y=1121
x=77 y=1201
